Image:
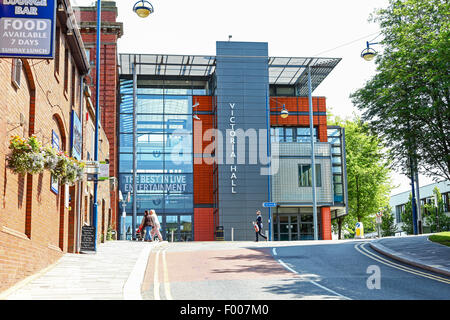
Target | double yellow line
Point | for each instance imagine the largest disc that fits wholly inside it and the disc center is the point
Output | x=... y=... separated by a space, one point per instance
x=363 y=250
x=166 y=283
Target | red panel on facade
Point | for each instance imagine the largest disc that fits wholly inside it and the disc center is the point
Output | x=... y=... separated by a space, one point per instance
x=203 y=224
x=326 y=223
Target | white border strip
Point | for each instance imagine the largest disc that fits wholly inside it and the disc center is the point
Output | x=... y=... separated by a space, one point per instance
x=132 y=287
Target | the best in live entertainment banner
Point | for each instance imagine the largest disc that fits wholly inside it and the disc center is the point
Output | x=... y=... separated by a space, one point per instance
x=27 y=28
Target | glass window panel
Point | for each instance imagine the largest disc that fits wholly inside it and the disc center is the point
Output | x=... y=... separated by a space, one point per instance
x=284 y=227
x=145 y=162
x=176 y=143
x=306 y=217
x=151 y=123
x=338 y=189
x=337 y=179
x=289 y=134
x=333 y=132
x=179 y=202
x=178 y=163
x=305 y=175
x=150 y=104
x=199 y=92
x=336 y=160
x=171 y=223
x=126 y=123
x=334 y=141
x=178 y=105
x=175 y=91
x=178 y=122
x=158 y=91
x=336 y=169
x=126 y=103
x=336 y=150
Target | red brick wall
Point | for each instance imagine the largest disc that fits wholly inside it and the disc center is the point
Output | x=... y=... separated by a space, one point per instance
x=36 y=228
x=33 y=219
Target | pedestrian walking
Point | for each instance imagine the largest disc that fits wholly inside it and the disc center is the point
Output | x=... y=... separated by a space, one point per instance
x=258 y=226
x=156 y=225
x=147 y=225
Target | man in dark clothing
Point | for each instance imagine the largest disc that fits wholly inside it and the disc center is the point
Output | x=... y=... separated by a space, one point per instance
x=260 y=225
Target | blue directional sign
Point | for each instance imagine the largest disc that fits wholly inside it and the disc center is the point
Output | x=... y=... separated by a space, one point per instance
x=269 y=204
x=27 y=28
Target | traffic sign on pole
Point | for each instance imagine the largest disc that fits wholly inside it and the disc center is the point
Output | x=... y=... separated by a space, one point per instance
x=269 y=204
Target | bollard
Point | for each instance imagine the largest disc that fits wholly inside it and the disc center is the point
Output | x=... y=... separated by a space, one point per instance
x=171 y=236
x=232 y=234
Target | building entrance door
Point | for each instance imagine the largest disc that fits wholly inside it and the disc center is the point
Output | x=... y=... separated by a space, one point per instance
x=288 y=227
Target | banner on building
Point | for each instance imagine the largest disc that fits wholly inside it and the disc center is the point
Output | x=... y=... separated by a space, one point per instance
x=27 y=28
x=76 y=138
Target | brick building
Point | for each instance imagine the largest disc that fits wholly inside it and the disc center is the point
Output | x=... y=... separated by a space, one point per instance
x=110 y=33
x=40 y=220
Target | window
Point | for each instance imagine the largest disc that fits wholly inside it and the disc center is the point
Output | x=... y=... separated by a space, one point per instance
x=57 y=44
x=305 y=175
x=292 y=134
x=398 y=212
x=15 y=73
x=66 y=70
x=73 y=86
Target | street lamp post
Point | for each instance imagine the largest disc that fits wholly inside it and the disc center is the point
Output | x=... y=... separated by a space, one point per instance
x=97 y=117
x=368 y=54
x=313 y=164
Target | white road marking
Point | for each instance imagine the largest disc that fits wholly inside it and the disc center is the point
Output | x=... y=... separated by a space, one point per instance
x=313 y=282
x=274 y=250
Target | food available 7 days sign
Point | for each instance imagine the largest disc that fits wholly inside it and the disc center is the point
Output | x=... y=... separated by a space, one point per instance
x=27 y=28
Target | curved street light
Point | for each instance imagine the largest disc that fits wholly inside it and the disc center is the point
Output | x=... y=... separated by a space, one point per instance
x=368 y=53
x=143 y=8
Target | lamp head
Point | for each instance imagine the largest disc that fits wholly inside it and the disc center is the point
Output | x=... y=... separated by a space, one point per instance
x=368 y=54
x=284 y=113
x=143 y=8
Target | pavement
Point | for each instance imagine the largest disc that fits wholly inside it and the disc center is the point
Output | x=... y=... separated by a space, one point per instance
x=417 y=251
x=116 y=271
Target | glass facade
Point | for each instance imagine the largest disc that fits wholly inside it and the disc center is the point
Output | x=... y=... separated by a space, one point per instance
x=335 y=138
x=164 y=155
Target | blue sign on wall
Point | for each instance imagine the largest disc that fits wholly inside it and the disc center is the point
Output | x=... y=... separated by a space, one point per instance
x=27 y=28
x=76 y=138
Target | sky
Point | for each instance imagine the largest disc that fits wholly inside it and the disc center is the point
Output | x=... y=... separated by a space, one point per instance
x=292 y=28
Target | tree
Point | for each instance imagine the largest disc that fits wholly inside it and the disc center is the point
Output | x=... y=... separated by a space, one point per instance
x=407 y=218
x=388 y=226
x=368 y=179
x=407 y=102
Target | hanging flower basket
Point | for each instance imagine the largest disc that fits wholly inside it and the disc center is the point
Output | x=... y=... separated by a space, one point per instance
x=26 y=155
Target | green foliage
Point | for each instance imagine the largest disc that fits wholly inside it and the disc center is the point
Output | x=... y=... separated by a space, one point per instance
x=406 y=102
x=26 y=155
x=369 y=183
x=407 y=217
x=431 y=219
x=388 y=226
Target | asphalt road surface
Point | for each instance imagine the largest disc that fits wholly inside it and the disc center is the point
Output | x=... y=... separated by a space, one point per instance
x=337 y=270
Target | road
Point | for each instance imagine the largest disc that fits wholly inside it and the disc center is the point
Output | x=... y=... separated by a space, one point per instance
x=337 y=270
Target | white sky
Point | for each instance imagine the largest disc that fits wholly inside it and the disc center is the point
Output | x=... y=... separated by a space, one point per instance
x=296 y=28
